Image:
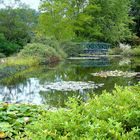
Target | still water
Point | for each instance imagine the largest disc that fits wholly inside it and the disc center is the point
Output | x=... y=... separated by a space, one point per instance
x=71 y=78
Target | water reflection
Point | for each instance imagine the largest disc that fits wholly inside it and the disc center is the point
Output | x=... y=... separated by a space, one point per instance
x=27 y=92
x=24 y=87
x=30 y=92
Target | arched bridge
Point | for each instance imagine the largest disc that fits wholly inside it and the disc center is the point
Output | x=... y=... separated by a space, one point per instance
x=95 y=47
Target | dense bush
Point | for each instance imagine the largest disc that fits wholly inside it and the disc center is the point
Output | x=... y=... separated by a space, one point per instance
x=108 y=116
x=115 y=51
x=122 y=49
x=72 y=48
x=7 y=47
x=50 y=41
x=125 y=50
x=42 y=52
x=2 y=55
x=136 y=51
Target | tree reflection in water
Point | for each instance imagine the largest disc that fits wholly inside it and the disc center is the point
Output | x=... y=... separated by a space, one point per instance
x=27 y=92
x=24 y=87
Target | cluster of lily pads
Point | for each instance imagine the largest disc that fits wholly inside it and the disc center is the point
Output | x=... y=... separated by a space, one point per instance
x=14 y=117
x=70 y=86
x=116 y=73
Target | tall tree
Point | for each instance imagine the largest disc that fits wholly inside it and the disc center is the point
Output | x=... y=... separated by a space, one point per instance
x=55 y=20
x=135 y=12
x=17 y=23
x=112 y=18
x=101 y=20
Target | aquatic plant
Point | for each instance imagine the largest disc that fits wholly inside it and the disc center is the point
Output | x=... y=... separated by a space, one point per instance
x=107 y=116
x=70 y=86
x=14 y=117
x=115 y=73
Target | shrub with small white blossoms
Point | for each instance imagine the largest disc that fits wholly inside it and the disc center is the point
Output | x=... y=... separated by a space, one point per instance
x=126 y=48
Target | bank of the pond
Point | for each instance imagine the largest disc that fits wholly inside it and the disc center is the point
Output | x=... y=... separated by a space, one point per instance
x=113 y=115
x=33 y=54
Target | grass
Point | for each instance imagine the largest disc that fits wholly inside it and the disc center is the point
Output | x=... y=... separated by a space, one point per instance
x=22 y=61
x=35 y=54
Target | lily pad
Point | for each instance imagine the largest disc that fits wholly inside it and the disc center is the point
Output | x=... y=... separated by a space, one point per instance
x=115 y=73
x=70 y=86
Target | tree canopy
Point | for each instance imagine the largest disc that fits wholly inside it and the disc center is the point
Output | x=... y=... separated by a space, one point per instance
x=70 y=20
x=104 y=20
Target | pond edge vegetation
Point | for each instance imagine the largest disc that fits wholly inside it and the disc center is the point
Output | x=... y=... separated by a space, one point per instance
x=112 y=115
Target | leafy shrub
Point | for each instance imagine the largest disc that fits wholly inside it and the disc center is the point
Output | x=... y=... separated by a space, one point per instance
x=71 y=48
x=123 y=49
x=7 y=47
x=126 y=49
x=108 y=116
x=40 y=51
x=13 y=119
x=115 y=51
x=50 y=41
x=136 y=51
x=2 y=55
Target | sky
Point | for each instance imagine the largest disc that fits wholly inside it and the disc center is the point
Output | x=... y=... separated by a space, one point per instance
x=33 y=3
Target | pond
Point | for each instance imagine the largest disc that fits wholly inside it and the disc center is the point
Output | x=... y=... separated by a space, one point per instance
x=54 y=84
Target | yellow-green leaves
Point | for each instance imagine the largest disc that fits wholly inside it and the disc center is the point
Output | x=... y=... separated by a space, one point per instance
x=2 y=135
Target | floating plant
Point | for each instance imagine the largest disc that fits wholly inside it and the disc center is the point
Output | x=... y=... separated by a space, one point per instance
x=70 y=86
x=115 y=73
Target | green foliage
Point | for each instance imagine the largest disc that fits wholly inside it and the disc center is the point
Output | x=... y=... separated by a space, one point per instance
x=80 y=20
x=125 y=51
x=71 y=48
x=122 y=49
x=136 y=51
x=114 y=20
x=135 y=11
x=18 y=23
x=115 y=51
x=2 y=55
x=43 y=53
x=21 y=61
x=52 y=42
x=13 y=118
x=7 y=47
x=58 y=24
x=108 y=116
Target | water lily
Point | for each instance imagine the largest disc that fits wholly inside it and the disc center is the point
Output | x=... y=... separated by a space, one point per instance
x=115 y=73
